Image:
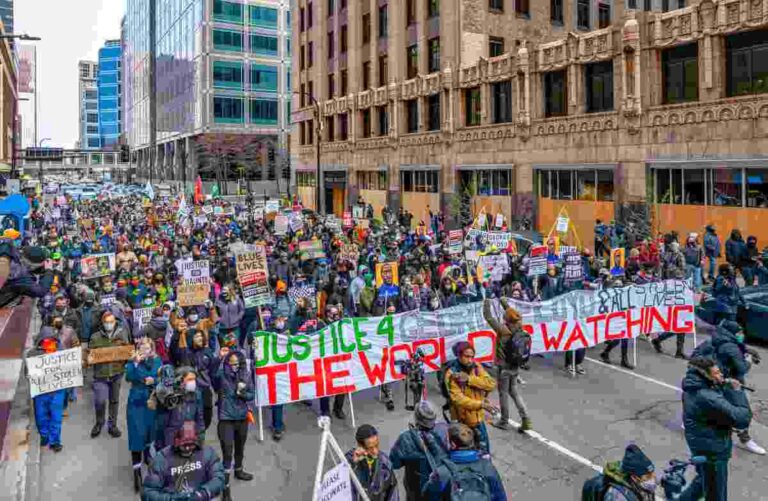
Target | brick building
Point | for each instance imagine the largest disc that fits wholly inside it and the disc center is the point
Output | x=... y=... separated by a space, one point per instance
x=623 y=109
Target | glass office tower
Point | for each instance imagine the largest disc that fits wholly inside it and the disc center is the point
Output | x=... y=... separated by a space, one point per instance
x=109 y=85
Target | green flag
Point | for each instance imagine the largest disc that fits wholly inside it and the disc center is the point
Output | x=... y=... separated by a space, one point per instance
x=215 y=191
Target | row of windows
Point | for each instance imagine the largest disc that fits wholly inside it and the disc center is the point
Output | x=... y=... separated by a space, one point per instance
x=583 y=8
x=232 y=110
x=581 y=184
x=232 y=41
x=486 y=182
x=230 y=75
x=720 y=187
x=372 y=180
x=232 y=12
x=420 y=181
x=306 y=19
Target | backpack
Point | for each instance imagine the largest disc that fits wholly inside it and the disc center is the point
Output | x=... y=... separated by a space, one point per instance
x=517 y=349
x=594 y=489
x=444 y=388
x=467 y=484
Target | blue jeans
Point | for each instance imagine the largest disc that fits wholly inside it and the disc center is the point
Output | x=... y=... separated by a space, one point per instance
x=694 y=272
x=712 y=261
x=277 y=418
x=325 y=404
x=481 y=438
x=711 y=481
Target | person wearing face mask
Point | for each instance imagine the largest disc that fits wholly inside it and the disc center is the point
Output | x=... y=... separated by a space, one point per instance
x=631 y=479
x=86 y=316
x=141 y=372
x=280 y=327
x=185 y=470
x=235 y=390
x=108 y=375
x=62 y=310
x=49 y=407
x=190 y=408
x=136 y=292
x=155 y=330
x=727 y=294
x=198 y=354
x=230 y=309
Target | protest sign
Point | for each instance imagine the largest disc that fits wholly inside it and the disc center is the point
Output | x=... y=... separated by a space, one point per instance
x=251 y=262
x=194 y=272
x=281 y=224
x=258 y=213
x=496 y=266
x=349 y=253
x=573 y=271
x=272 y=206
x=455 y=241
x=562 y=224
x=111 y=354
x=218 y=210
x=617 y=261
x=253 y=275
x=55 y=371
x=499 y=220
x=584 y=318
x=141 y=317
x=97 y=265
x=500 y=239
x=481 y=219
x=192 y=294
x=107 y=299
x=311 y=249
x=537 y=262
x=307 y=292
x=336 y=484
x=333 y=224
x=358 y=212
x=207 y=209
x=363 y=223
x=346 y=220
x=386 y=273
x=295 y=221
x=358 y=353
x=201 y=220
x=86 y=227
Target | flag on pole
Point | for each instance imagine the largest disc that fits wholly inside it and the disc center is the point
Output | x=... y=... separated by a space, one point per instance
x=150 y=192
x=199 y=198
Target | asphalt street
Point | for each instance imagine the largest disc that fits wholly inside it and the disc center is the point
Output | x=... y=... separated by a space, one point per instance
x=580 y=423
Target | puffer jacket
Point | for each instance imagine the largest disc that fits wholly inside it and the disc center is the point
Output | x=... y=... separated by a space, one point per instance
x=735 y=249
x=409 y=452
x=467 y=399
x=204 y=474
x=203 y=360
x=233 y=406
x=710 y=413
x=727 y=295
x=729 y=351
x=100 y=339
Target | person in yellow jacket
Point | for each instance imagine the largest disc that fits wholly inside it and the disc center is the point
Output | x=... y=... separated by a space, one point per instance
x=468 y=385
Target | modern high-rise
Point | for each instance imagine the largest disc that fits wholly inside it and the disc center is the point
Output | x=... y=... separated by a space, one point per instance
x=221 y=90
x=634 y=110
x=88 y=93
x=6 y=14
x=109 y=91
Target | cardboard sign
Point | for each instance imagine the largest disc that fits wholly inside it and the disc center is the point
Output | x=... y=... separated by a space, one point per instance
x=349 y=253
x=281 y=224
x=562 y=224
x=386 y=271
x=112 y=354
x=141 y=317
x=195 y=272
x=537 y=263
x=251 y=262
x=455 y=241
x=256 y=291
x=192 y=294
x=336 y=484
x=311 y=249
x=295 y=221
x=55 y=371
x=97 y=265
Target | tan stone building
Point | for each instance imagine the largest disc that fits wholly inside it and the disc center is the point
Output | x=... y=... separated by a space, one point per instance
x=617 y=109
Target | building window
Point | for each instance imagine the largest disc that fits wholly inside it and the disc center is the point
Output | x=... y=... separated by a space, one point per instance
x=410 y=12
x=680 y=71
x=305 y=179
x=266 y=45
x=228 y=109
x=556 y=12
x=383 y=70
x=331 y=85
x=310 y=15
x=433 y=108
x=310 y=54
x=433 y=8
x=343 y=126
x=265 y=17
x=372 y=180
x=578 y=184
x=365 y=117
x=366 y=28
x=366 y=75
x=91 y=95
x=598 y=86
x=554 y=94
x=383 y=21
x=342 y=4
x=264 y=78
x=227 y=12
x=302 y=61
x=522 y=8
x=757 y=188
x=343 y=82
x=582 y=14
x=93 y=142
x=496 y=5
x=330 y=43
x=433 y=45
x=343 y=42
x=330 y=129
x=495 y=46
x=747 y=63
x=667 y=5
x=720 y=187
x=228 y=40
x=227 y=75
x=264 y=111
x=472 y=106
x=302 y=96
x=412 y=115
x=331 y=7
x=412 y=61
x=420 y=181
x=603 y=15
x=486 y=182
x=310 y=132
x=301 y=19
x=501 y=101
x=311 y=91
x=93 y=105
x=383 y=116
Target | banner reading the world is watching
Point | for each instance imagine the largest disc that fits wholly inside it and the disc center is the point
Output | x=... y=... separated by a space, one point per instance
x=354 y=354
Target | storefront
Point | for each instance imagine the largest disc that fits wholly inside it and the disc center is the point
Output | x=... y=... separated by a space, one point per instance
x=335 y=190
x=490 y=187
x=306 y=188
x=585 y=191
x=372 y=186
x=420 y=190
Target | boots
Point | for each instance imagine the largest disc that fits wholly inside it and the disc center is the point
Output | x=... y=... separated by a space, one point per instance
x=241 y=474
x=113 y=430
x=657 y=345
x=605 y=356
x=226 y=495
x=137 y=481
x=96 y=430
x=625 y=363
x=526 y=425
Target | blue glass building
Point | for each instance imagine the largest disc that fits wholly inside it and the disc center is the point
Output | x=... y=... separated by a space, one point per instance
x=109 y=91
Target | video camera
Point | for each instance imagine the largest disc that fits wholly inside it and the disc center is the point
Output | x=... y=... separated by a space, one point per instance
x=673 y=480
x=413 y=370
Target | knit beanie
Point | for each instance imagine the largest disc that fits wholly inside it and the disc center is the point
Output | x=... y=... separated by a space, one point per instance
x=425 y=415
x=635 y=461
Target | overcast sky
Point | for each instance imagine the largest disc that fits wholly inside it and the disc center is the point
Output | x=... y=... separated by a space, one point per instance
x=71 y=30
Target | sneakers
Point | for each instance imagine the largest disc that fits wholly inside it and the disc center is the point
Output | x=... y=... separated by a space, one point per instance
x=605 y=357
x=520 y=380
x=59 y=447
x=752 y=447
x=657 y=345
x=525 y=425
x=570 y=370
x=43 y=442
x=241 y=474
x=580 y=370
x=277 y=435
x=390 y=405
x=502 y=424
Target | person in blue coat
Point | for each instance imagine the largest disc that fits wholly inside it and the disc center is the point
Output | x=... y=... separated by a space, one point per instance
x=711 y=250
x=712 y=407
x=235 y=390
x=49 y=407
x=141 y=372
x=189 y=408
x=727 y=294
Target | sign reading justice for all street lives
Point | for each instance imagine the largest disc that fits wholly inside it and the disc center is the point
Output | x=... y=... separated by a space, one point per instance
x=55 y=371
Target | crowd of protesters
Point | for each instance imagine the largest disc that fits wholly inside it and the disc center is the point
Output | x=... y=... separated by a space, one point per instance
x=187 y=359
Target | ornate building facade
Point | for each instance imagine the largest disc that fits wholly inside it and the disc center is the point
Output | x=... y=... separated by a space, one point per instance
x=631 y=110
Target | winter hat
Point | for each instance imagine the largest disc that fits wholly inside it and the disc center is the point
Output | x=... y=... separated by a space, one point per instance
x=425 y=415
x=364 y=432
x=459 y=348
x=635 y=461
x=512 y=316
x=730 y=326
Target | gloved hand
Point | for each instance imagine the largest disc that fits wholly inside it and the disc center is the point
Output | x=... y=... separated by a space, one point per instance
x=201 y=495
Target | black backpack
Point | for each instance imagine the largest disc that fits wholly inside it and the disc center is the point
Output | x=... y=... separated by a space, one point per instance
x=594 y=489
x=467 y=484
x=517 y=349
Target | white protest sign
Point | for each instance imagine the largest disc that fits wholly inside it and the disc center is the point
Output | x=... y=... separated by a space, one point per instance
x=55 y=371
x=499 y=220
x=562 y=224
x=272 y=206
x=336 y=484
x=195 y=272
x=281 y=224
x=141 y=317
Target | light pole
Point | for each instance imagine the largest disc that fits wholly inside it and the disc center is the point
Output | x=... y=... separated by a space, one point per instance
x=40 y=162
x=318 y=138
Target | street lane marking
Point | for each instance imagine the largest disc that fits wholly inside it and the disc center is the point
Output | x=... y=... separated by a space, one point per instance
x=635 y=374
x=559 y=448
